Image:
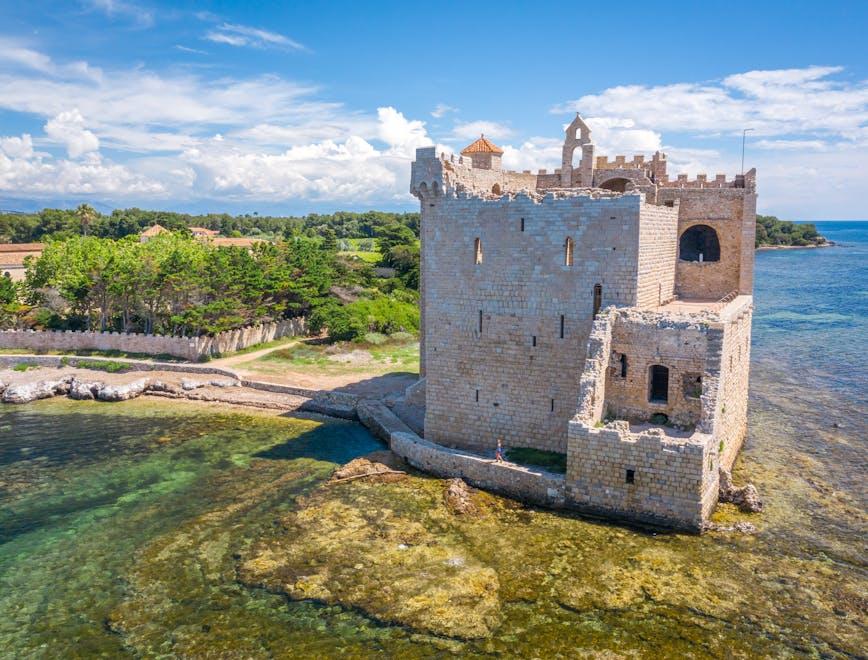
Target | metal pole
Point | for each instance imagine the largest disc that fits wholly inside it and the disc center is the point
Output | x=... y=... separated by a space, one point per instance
x=743 y=137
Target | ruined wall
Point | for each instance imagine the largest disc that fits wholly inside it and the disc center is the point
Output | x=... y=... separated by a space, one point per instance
x=658 y=245
x=731 y=212
x=189 y=348
x=730 y=423
x=526 y=392
x=647 y=339
x=669 y=476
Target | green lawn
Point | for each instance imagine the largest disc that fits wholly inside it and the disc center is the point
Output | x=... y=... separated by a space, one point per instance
x=548 y=460
x=341 y=357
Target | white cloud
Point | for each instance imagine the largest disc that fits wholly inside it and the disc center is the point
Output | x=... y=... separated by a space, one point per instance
x=187 y=49
x=17 y=147
x=68 y=129
x=244 y=35
x=441 y=109
x=777 y=102
x=473 y=129
x=121 y=8
x=28 y=173
x=402 y=135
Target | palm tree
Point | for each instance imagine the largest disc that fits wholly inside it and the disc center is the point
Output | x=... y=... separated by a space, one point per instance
x=86 y=214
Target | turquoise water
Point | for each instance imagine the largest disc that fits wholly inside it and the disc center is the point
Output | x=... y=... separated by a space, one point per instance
x=122 y=526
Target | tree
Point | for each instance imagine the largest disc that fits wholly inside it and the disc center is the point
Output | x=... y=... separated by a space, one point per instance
x=86 y=215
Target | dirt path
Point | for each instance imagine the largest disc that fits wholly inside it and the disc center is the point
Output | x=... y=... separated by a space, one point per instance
x=233 y=360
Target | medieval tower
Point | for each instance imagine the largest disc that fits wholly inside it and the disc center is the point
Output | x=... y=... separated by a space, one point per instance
x=602 y=310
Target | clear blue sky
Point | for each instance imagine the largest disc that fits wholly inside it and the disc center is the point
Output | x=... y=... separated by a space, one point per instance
x=290 y=107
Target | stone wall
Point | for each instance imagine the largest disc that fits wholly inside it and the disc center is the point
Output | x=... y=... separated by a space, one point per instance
x=189 y=348
x=731 y=405
x=658 y=244
x=669 y=475
x=519 y=482
x=731 y=212
x=650 y=338
x=517 y=378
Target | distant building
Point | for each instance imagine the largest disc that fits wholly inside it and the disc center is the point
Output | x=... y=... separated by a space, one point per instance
x=12 y=257
x=150 y=232
x=203 y=232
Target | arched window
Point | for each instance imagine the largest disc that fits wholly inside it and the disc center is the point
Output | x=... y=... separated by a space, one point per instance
x=568 y=252
x=699 y=243
x=658 y=390
x=598 y=298
x=477 y=246
x=616 y=185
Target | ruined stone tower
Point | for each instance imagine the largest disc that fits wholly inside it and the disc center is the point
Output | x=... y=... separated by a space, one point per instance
x=601 y=310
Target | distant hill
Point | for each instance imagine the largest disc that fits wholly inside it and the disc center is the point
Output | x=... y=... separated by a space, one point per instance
x=773 y=232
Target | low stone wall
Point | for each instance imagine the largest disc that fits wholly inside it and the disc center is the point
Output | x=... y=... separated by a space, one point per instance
x=188 y=348
x=515 y=481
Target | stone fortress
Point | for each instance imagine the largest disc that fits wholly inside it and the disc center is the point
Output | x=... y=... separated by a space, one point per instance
x=602 y=310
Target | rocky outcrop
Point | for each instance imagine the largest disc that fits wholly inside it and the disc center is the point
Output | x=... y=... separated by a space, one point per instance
x=458 y=497
x=740 y=527
x=82 y=390
x=123 y=392
x=746 y=498
x=42 y=389
x=188 y=384
x=382 y=465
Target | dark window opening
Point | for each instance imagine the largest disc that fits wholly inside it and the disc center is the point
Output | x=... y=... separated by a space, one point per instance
x=522 y=224
x=598 y=298
x=480 y=321
x=553 y=405
x=616 y=185
x=659 y=390
x=477 y=396
x=533 y=341
x=670 y=203
x=630 y=477
x=623 y=361
x=562 y=326
x=692 y=386
x=699 y=243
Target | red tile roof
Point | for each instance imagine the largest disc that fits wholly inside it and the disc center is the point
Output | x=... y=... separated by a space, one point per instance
x=482 y=146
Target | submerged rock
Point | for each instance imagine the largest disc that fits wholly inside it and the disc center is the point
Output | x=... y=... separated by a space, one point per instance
x=740 y=527
x=746 y=498
x=123 y=392
x=380 y=465
x=459 y=497
x=43 y=389
x=381 y=560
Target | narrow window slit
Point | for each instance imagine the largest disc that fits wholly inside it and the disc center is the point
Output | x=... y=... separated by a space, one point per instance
x=630 y=477
x=562 y=326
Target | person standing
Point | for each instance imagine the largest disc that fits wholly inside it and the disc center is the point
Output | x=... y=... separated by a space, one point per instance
x=498 y=453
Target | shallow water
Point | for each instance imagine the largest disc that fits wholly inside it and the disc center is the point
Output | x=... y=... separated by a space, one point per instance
x=122 y=527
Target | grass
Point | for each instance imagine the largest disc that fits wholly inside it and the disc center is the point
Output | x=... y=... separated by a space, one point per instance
x=24 y=366
x=97 y=365
x=360 y=357
x=372 y=258
x=549 y=460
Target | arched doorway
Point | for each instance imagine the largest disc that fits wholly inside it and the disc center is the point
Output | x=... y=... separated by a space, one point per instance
x=699 y=243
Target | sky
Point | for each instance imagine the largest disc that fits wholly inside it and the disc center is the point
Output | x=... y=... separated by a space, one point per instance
x=291 y=107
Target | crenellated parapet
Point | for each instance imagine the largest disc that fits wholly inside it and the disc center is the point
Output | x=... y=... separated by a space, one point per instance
x=745 y=181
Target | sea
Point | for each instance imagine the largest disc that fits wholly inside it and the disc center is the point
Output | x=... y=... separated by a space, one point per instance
x=122 y=526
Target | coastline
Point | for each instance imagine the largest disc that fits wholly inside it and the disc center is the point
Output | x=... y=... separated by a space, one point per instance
x=763 y=248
